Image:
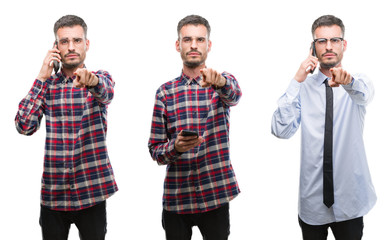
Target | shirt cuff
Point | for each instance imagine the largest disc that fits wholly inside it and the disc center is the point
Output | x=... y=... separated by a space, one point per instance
x=350 y=85
x=98 y=88
x=172 y=154
x=226 y=88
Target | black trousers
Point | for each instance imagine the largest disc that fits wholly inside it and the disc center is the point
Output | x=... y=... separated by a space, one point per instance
x=91 y=223
x=346 y=230
x=213 y=225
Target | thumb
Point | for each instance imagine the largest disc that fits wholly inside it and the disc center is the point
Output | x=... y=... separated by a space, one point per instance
x=332 y=73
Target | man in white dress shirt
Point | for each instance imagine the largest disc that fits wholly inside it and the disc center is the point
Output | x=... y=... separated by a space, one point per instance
x=352 y=194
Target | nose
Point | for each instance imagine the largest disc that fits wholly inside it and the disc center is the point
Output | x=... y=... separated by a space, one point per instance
x=71 y=46
x=194 y=44
x=329 y=44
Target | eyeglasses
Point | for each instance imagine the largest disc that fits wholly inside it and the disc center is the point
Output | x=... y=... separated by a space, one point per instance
x=335 y=41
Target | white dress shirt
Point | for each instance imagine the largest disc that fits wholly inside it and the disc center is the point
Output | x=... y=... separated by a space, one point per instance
x=304 y=103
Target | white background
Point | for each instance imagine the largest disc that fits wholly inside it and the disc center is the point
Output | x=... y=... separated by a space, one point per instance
x=261 y=42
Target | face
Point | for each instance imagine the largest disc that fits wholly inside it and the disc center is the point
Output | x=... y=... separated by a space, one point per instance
x=73 y=46
x=330 y=52
x=194 y=45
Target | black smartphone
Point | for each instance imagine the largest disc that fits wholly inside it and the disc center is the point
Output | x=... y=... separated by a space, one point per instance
x=186 y=133
x=314 y=54
x=56 y=65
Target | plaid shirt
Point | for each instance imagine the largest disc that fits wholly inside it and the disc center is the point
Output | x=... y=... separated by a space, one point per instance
x=201 y=179
x=77 y=172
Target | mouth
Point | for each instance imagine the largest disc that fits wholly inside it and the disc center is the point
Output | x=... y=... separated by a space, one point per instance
x=193 y=54
x=329 y=55
x=72 y=55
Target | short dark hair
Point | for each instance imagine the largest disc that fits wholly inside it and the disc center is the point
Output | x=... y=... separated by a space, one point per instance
x=327 y=20
x=70 y=21
x=193 y=20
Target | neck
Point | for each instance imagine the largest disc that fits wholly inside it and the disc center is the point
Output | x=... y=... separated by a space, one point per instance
x=193 y=72
x=69 y=72
x=326 y=71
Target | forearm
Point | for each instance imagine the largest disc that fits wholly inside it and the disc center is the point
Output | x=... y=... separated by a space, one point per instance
x=361 y=89
x=231 y=92
x=286 y=119
x=160 y=145
x=30 y=111
x=163 y=152
x=104 y=90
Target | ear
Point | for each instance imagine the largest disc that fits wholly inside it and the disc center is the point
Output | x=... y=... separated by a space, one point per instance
x=209 y=45
x=87 y=44
x=178 y=46
x=344 y=45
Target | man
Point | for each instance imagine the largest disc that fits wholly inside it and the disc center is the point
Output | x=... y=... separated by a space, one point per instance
x=200 y=180
x=336 y=190
x=78 y=176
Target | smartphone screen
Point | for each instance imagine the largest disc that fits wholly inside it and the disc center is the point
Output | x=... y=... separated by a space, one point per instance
x=189 y=133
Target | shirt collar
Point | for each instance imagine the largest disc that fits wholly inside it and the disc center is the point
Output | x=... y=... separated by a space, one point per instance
x=60 y=77
x=320 y=78
x=188 y=80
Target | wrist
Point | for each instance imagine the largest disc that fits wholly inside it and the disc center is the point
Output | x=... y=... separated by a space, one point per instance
x=222 y=82
x=298 y=79
x=96 y=81
x=42 y=78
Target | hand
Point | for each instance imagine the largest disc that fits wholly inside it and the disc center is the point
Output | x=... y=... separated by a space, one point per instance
x=84 y=78
x=339 y=76
x=47 y=66
x=309 y=64
x=184 y=144
x=212 y=77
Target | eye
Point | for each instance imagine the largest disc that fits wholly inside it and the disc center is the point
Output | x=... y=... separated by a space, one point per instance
x=186 y=39
x=64 y=41
x=78 y=40
x=322 y=41
x=201 y=40
x=335 y=40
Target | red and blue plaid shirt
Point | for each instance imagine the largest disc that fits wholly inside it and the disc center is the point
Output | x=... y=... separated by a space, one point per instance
x=201 y=179
x=77 y=172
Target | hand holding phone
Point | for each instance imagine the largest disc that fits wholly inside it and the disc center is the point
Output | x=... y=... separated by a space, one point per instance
x=49 y=64
x=184 y=143
x=307 y=66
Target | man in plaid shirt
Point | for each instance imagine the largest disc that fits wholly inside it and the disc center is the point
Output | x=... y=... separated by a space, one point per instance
x=200 y=180
x=77 y=177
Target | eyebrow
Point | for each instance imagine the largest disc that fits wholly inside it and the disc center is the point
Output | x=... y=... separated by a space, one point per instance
x=199 y=37
x=72 y=38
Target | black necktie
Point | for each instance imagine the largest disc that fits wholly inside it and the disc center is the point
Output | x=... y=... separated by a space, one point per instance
x=327 y=165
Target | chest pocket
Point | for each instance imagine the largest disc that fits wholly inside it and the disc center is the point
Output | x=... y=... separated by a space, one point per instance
x=65 y=103
x=188 y=109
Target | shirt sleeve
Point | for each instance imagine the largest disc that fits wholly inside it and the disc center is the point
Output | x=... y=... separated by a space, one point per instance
x=31 y=109
x=287 y=118
x=231 y=92
x=160 y=146
x=361 y=89
x=104 y=91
